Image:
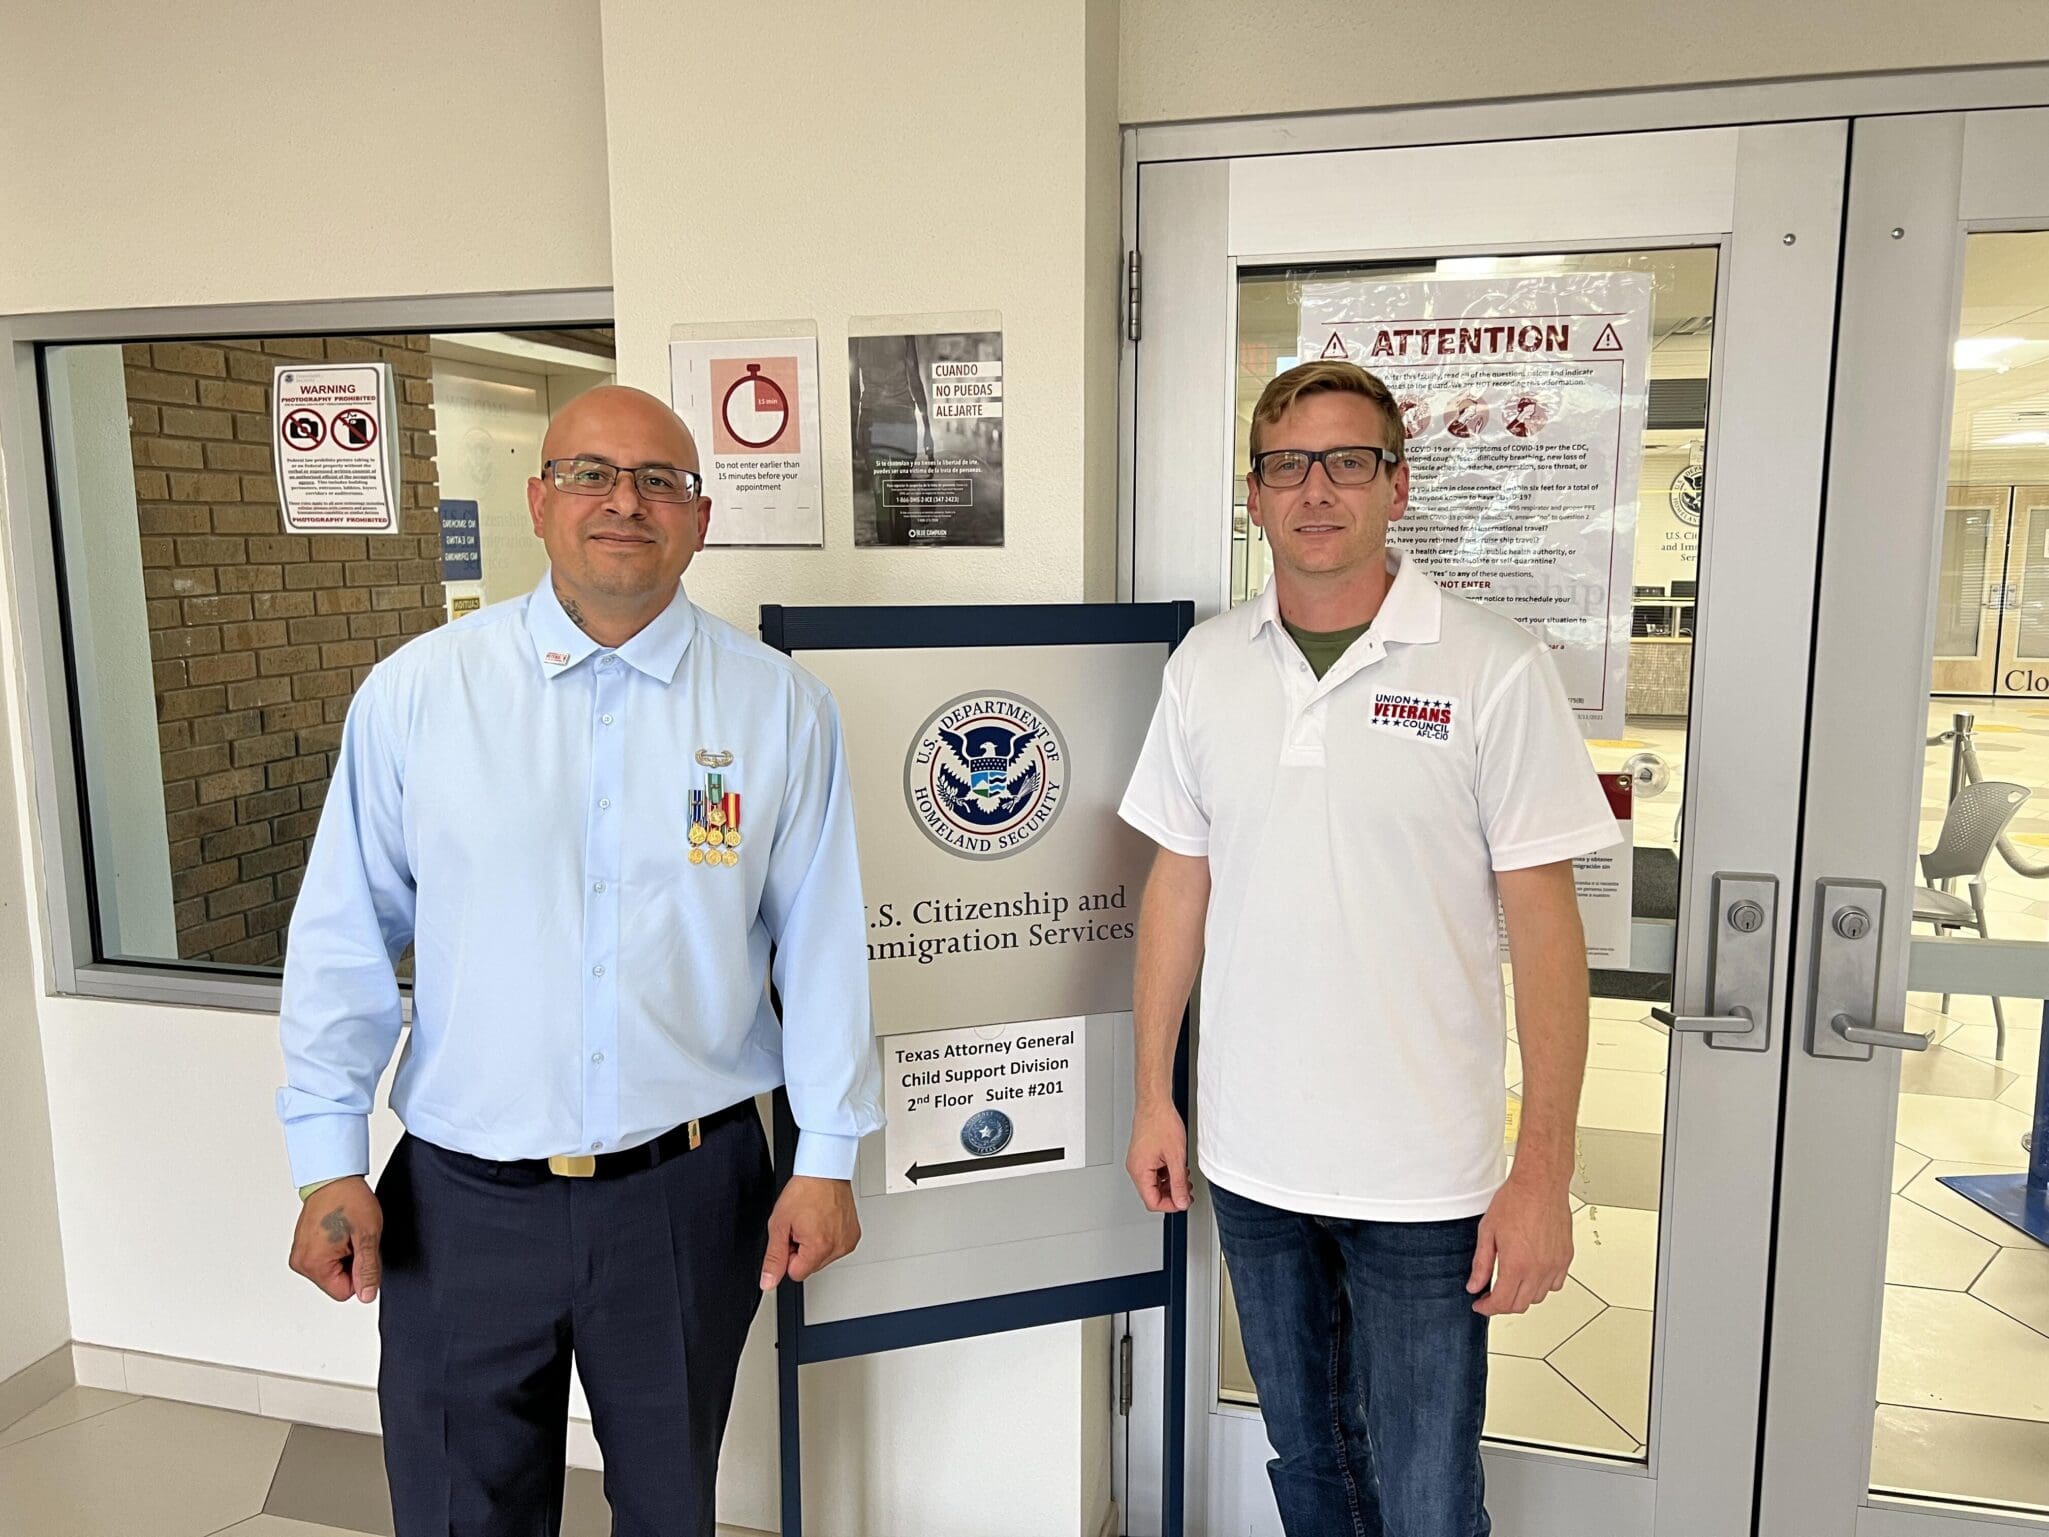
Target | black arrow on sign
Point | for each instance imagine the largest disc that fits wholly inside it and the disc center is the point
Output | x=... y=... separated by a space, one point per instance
x=918 y=1171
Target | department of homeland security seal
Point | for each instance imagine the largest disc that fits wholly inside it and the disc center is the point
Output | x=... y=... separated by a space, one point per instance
x=1689 y=494
x=986 y=775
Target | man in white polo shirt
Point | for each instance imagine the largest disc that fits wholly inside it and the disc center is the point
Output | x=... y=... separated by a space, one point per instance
x=1342 y=777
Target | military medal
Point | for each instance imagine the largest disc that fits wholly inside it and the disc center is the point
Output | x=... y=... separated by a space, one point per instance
x=714 y=816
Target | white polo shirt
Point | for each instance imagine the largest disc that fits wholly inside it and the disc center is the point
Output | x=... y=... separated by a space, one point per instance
x=1353 y=1024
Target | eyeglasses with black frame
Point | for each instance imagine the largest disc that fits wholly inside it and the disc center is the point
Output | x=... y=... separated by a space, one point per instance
x=1282 y=469
x=655 y=482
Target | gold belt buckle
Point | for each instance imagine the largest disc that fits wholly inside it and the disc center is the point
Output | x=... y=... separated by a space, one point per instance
x=573 y=1165
x=695 y=1135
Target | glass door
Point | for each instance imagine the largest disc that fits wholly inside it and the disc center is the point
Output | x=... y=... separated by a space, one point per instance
x=1909 y=1358
x=1628 y=1402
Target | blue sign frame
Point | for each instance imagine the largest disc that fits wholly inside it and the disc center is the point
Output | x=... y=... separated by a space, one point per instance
x=800 y=1344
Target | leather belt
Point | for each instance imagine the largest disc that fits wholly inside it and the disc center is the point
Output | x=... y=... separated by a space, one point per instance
x=672 y=1143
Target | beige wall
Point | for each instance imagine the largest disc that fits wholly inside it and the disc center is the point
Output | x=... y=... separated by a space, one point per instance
x=1235 y=58
x=158 y=154
x=904 y=170
x=911 y=171
x=932 y=157
x=34 y=1318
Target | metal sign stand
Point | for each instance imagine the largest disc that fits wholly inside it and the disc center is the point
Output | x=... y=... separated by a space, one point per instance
x=799 y=1344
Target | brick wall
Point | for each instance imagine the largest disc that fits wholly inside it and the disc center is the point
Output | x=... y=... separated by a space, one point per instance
x=261 y=638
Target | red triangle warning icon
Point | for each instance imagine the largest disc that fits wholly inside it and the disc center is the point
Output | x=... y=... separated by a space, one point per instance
x=1335 y=347
x=1608 y=341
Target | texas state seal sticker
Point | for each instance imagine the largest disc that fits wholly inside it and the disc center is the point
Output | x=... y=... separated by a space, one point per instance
x=986 y=775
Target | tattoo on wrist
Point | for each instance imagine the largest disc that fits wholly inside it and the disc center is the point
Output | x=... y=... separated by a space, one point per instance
x=336 y=1227
x=573 y=609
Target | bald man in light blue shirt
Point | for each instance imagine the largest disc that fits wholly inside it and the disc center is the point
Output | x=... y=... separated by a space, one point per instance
x=605 y=821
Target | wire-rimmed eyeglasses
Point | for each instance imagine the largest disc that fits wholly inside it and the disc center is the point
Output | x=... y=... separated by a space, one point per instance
x=655 y=482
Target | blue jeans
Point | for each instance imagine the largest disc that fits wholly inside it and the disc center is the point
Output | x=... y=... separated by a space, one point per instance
x=1371 y=1367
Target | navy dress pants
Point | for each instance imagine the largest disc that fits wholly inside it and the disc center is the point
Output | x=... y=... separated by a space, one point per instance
x=495 y=1275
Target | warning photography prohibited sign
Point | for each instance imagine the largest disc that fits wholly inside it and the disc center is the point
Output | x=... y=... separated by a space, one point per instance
x=332 y=436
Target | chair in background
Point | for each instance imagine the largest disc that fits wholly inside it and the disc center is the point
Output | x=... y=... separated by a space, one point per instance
x=1971 y=828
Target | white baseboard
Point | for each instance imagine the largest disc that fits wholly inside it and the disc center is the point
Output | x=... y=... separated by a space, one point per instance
x=301 y=1400
x=35 y=1385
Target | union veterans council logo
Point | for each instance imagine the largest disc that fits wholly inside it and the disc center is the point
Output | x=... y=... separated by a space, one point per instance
x=1689 y=494
x=986 y=775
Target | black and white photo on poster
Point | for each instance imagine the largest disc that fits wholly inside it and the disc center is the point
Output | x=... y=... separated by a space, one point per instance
x=928 y=438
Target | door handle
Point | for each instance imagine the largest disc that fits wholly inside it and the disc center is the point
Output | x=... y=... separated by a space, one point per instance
x=1739 y=972
x=1736 y=1022
x=1849 y=921
x=1869 y=1035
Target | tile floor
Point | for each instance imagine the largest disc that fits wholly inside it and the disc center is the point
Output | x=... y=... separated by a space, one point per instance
x=93 y=1463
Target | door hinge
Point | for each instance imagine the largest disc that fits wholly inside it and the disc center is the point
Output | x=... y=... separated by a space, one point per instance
x=1131 y=296
x=1124 y=1375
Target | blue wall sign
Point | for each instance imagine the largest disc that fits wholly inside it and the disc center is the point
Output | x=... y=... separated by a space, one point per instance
x=462 y=557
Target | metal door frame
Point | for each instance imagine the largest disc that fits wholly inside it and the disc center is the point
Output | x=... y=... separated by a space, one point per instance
x=1774 y=334
x=1919 y=186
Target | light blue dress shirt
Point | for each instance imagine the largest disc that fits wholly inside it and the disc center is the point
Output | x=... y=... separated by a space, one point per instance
x=514 y=800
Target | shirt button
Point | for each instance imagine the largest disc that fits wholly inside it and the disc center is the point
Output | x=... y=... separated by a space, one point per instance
x=597 y=1056
x=607 y=664
x=600 y=886
x=605 y=804
x=606 y=719
x=596 y=1145
x=597 y=971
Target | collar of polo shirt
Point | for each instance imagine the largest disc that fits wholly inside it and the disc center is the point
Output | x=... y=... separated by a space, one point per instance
x=1412 y=610
x=657 y=650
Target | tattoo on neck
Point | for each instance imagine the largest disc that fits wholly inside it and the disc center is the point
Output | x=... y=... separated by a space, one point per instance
x=573 y=609
x=336 y=1227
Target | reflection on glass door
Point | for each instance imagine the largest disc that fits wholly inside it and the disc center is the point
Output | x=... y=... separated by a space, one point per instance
x=1971 y=589
x=1963 y=1383
x=1575 y=1372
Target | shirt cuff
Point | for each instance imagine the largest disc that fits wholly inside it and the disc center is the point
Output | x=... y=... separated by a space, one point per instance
x=325 y=1147
x=822 y=1155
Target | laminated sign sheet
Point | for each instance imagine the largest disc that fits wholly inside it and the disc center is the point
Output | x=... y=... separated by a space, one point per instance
x=1523 y=401
x=976 y=1104
x=334 y=437
x=752 y=406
